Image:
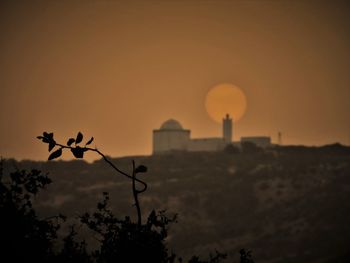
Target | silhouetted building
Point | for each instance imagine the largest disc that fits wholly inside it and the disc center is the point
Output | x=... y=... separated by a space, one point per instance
x=206 y=144
x=172 y=137
x=227 y=129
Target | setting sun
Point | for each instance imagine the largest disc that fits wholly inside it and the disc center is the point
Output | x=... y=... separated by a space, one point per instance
x=225 y=99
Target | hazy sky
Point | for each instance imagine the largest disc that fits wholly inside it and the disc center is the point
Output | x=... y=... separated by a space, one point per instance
x=117 y=70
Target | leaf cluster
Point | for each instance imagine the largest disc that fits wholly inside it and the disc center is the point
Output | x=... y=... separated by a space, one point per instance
x=74 y=144
x=246 y=256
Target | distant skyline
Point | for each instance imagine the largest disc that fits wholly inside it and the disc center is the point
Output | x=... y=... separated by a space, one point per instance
x=118 y=70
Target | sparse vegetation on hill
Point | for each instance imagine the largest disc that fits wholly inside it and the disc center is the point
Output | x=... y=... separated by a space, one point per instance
x=25 y=236
x=287 y=204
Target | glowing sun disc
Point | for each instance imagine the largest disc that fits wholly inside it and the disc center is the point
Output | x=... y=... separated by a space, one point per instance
x=225 y=99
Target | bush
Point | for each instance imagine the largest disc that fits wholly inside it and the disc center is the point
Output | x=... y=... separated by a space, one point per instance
x=26 y=237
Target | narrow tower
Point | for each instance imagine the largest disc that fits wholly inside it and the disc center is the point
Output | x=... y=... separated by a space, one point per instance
x=227 y=129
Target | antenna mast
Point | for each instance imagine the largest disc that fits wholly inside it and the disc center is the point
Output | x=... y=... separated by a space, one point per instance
x=279 y=138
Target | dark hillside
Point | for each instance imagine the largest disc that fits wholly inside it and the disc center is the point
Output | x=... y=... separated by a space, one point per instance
x=289 y=204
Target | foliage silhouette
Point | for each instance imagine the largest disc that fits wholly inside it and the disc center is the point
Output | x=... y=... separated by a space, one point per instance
x=25 y=237
x=127 y=241
x=121 y=240
x=73 y=251
x=79 y=151
x=246 y=256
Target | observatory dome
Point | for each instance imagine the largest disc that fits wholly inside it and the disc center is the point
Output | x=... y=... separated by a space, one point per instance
x=171 y=125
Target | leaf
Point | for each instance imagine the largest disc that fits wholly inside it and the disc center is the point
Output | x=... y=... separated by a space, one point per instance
x=47 y=138
x=79 y=138
x=70 y=141
x=52 y=144
x=78 y=152
x=141 y=169
x=90 y=141
x=43 y=139
x=48 y=135
x=55 y=154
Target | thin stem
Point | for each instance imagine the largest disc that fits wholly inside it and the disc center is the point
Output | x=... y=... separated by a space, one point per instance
x=135 y=193
x=111 y=164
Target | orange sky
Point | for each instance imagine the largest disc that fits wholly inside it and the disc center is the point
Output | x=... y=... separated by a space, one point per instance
x=116 y=71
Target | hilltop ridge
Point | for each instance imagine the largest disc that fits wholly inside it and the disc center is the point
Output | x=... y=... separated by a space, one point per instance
x=287 y=204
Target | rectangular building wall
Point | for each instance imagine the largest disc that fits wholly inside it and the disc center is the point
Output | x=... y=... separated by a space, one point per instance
x=206 y=144
x=170 y=140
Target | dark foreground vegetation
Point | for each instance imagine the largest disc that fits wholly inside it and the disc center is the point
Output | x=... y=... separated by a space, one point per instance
x=25 y=237
x=286 y=204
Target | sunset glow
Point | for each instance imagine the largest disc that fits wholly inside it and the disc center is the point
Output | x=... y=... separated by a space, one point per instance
x=225 y=99
x=116 y=70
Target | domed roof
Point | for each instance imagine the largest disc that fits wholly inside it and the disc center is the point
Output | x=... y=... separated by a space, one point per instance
x=171 y=125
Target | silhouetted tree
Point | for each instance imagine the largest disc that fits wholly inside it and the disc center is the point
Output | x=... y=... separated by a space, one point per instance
x=126 y=241
x=121 y=240
x=74 y=145
x=73 y=251
x=23 y=235
x=246 y=256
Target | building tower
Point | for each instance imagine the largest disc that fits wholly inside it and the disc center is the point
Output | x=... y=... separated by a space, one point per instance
x=227 y=129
